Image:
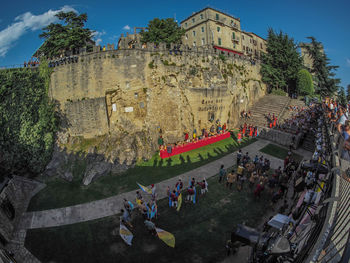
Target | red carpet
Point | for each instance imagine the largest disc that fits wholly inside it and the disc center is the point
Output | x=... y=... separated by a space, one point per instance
x=194 y=145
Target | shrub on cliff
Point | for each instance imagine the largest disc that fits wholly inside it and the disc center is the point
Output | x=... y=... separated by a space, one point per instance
x=27 y=121
x=162 y=31
x=304 y=83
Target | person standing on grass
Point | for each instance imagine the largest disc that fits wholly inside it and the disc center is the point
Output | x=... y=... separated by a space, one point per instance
x=231 y=178
x=203 y=186
x=252 y=180
x=179 y=185
x=174 y=198
x=126 y=218
x=190 y=193
x=239 y=157
x=222 y=173
x=259 y=188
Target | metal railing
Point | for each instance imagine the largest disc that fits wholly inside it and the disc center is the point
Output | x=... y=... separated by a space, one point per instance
x=333 y=241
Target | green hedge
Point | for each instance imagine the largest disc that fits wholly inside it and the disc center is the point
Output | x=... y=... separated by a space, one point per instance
x=27 y=120
x=278 y=92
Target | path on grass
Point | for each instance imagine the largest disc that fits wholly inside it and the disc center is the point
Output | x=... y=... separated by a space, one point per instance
x=112 y=205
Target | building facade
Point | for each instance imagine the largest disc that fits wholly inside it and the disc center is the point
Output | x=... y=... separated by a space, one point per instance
x=212 y=27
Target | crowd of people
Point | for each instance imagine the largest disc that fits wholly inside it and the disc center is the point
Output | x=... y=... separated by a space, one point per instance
x=214 y=130
x=339 y=116
x=31 y=63
x=247 y=130
x=255 y=173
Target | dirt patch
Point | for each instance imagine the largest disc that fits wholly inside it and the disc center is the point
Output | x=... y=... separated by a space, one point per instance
x=225 y=201
x=197 y=259
x=148 y=248
x=117 y=248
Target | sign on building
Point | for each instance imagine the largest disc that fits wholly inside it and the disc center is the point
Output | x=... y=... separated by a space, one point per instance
x=129 y=109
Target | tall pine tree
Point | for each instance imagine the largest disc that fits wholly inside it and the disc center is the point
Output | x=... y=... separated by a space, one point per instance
x=281 y=63
x=325 y=83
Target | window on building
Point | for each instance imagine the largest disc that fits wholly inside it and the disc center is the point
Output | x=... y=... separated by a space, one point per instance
x=234 y=45
x=233 y=35
x=194 y=33
x=261 y=46
x=193 y=20
x=203 y=41
x=218 y=29
x=243 y=48
x=201 y=16
x=202 y=28
x=219 y=41
x=217 y=17
x=185 y=24
x=194 y=43
x=242 y=37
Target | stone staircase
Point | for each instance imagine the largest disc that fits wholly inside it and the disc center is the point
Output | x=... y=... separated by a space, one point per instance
x=288 y=114
x=268 y=104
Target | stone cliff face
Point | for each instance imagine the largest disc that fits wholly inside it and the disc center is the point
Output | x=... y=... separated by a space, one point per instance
x=128 y=96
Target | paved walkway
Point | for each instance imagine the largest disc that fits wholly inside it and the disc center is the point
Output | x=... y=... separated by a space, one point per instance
x=112 y=205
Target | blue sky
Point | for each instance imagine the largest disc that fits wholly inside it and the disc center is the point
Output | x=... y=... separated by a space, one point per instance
x=328 y=21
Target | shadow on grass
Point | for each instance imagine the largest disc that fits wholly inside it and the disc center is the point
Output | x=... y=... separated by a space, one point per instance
x=60 y=193
x=200 y=157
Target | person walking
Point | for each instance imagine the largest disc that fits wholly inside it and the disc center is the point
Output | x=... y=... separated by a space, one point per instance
x=222 y=173
x=239 y=157
x=231 y=178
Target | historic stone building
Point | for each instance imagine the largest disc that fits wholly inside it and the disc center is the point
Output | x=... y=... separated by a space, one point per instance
x=212 y=27
x=222 y=31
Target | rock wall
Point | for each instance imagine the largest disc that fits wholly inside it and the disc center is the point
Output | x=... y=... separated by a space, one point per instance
x=132 y=94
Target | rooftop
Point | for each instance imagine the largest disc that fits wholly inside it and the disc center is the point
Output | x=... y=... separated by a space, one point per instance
x=196 y=13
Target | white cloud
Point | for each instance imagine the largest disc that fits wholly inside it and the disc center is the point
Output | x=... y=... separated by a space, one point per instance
x=24 y=23
x=348 y=62
x=97 y=36
x=127 y=27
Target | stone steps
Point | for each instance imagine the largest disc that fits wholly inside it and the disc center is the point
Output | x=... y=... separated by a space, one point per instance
x=269 y=104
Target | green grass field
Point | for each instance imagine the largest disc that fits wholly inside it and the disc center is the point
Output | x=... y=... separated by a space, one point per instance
x=279 y=152
x=60 y=193
x=200 y=230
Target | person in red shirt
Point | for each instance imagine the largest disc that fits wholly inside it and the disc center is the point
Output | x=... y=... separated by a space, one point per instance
x=190 y=193
x=186 y=137
x=203 y=186
x=179 y=185
x=239 y=137
x=259 y=188
x=173 y=199
x=251 y=132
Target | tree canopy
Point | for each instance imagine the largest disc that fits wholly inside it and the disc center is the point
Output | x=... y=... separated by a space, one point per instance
x=27 y=121
x=162 y=30
x=325 y=83
x=281 y=63
x=60 y=38
x=342 y=96
x=305 y=83
x=348 y=92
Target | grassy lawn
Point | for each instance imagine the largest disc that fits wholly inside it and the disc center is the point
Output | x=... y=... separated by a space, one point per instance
x=200 y=231
x=279 y=152
x=60 y=193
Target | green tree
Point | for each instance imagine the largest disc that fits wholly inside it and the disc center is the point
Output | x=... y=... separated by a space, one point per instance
x=27 y=121
x=305 y=84
x=342 y=96
x=325 y=83
x=281 y=63
x=348 y=92
x=60 y=38
x=162 y=30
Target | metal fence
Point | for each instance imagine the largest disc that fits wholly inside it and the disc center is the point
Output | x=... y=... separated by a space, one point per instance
x=333 y=242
